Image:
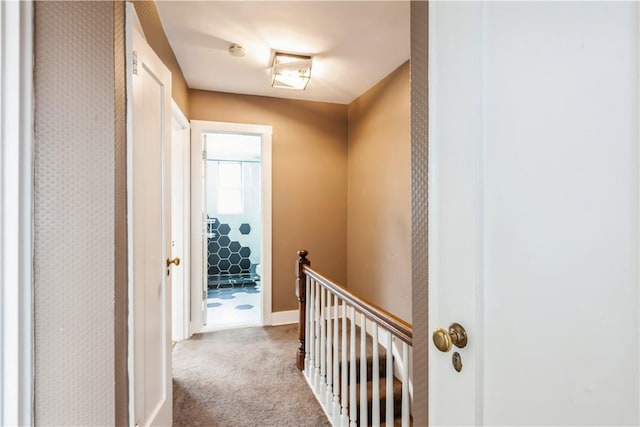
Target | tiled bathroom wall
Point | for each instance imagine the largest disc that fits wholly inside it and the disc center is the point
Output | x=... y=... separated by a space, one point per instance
x=234 y=240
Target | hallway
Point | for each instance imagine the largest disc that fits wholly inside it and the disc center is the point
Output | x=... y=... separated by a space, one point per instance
x=242 y=377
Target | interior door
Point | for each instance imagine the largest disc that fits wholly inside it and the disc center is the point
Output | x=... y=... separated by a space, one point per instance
x=150 y=228
x=205 y=231
x=180 y=301
x=533 y=213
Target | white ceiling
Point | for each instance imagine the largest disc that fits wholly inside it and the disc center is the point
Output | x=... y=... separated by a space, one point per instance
x=354 y=44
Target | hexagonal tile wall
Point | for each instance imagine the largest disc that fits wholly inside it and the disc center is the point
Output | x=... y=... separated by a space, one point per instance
x=225 y=256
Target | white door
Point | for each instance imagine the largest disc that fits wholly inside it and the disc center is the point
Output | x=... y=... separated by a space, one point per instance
x=534 y=212
x=150 y=231
x=180 y=154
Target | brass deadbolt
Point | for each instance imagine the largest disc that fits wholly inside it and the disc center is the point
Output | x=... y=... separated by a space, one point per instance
x=456 y=335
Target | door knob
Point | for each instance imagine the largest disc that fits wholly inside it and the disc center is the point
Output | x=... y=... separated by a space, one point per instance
x=456 y=335
x=175 y=261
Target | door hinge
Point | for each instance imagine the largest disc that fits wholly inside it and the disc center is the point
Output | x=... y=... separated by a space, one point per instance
x=204 y=155
x=135 y=62
x=204 y=296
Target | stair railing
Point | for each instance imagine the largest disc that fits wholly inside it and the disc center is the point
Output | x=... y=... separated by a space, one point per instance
x=331 y=318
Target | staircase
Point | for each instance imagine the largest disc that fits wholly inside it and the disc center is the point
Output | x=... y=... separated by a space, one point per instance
x=343 y=342
x=382 y=387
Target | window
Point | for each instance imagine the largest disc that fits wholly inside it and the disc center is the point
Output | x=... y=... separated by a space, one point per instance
x=230 y=188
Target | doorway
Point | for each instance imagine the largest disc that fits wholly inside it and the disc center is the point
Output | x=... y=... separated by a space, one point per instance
x=231 y=247
x=232 y=196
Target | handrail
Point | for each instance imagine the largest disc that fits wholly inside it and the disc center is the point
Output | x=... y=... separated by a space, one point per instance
x=395 y=325
x=336 y=367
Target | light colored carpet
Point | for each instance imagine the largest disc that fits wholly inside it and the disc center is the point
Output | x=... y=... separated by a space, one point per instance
x=242 y=377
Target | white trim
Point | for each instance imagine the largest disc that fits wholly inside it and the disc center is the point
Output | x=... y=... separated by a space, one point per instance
x=16 y=213
x=177 y=114
x=198 y=127
x=131 y=18
x=284 y=317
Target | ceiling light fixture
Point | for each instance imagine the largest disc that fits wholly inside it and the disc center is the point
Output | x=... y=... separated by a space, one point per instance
x=237 y=50
x=290 y=71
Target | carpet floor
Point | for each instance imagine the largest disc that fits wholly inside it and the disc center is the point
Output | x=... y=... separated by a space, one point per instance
x=242 y=377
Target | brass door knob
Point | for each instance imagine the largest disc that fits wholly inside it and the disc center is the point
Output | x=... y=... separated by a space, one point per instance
x=175 y=261
x=456 y=335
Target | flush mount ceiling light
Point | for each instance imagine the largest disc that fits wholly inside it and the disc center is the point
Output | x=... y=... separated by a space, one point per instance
x=290 y=71
x=237 y=50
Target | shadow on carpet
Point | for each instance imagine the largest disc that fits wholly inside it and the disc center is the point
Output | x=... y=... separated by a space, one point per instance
x=242 y=377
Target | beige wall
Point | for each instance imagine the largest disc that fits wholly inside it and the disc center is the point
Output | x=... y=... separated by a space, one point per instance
x=309 y=176
x=379 y=194
x=154 y=33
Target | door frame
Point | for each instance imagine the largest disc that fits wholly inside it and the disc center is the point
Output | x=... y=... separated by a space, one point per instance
x=198 y=127
x=16 y=213
x=182 y=312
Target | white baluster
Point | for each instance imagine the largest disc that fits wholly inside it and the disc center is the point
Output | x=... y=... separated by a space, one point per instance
x=323 y=344
x=307 y=332
x=344 y=421
x=336 y=371
x=405 y=385
x=311 y=339
x=353 y=408
x=389 y=380
x=317 y=339
x=375 y=413
x=328 y=398
x=363 y=370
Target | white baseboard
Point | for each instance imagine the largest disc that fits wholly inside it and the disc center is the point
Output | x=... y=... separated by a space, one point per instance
x=284 y=317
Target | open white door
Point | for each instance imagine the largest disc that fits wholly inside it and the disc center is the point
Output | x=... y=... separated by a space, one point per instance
x=534 y=212
x=149 y=231
x=180 y=222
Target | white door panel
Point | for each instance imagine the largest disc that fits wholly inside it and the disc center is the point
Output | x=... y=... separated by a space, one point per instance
x=150 y=232
x=534 y=212
x=180 y=190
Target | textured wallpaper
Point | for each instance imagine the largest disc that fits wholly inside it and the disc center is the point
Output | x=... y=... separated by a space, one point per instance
x=74 y=213
x=419 y=205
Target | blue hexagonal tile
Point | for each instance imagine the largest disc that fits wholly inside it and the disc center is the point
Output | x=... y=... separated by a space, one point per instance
x=224 y=265
x=213 y=246
x=213 y=259
x=224 y=253
x=234 y=259
x=234 y=246
x=224 y=241
x=245 y=228
x=245 y=252
x=245 y=264
x=224 y=229
x=234 y=269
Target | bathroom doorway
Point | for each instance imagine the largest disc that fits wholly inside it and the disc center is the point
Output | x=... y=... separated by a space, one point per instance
x=233 y=212
x=235 y=233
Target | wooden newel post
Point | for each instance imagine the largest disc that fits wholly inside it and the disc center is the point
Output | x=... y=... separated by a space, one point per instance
x=301 y=280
